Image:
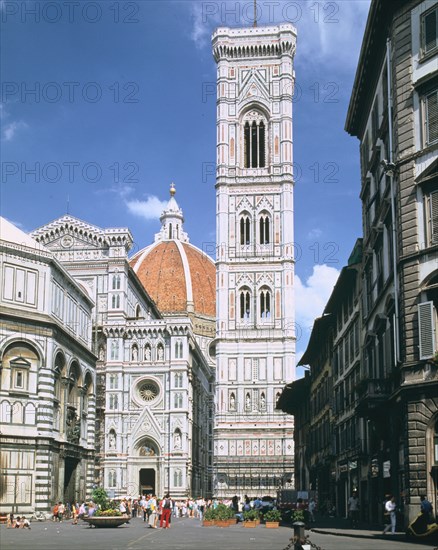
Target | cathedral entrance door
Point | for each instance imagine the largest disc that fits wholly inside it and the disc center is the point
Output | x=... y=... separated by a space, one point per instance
x=147 y=481
x=70 y=479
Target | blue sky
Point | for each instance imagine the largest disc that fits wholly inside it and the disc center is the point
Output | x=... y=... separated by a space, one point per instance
x=123 y=105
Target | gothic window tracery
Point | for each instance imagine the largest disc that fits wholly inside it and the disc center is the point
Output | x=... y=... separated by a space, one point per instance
x=264 y=228
x=254 y=138
x=245 y=229
x=265 y=303
x=245 y=304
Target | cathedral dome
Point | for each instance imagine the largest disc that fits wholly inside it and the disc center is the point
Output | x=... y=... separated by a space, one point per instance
x=178 y=276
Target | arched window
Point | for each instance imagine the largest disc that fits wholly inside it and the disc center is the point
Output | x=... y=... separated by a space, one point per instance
x=138 y=311
x=245 y=304
x=254 y=141
x=245 y=230
x=264 y=229
x=265 y=303
x=115 y=301
x=170 y=230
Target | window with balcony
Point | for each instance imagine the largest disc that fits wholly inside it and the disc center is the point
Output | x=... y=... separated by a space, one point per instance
x=245 y=304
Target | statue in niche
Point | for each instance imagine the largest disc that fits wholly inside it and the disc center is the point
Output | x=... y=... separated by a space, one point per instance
x=248 y=401
x=263 y=401
x=101 y=353
x=177 y=440
x=232 y=401
x=147 y=353
x=73 y=431
x=112 y=440
x=134 y=356
x=160 y=353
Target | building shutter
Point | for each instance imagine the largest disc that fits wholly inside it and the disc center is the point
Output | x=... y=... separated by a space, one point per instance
x=430 y=31
x=432 y=117
x=426 y=329
x=433 y=217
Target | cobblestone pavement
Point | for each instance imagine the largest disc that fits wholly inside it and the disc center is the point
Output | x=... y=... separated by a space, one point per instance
x=184 y=534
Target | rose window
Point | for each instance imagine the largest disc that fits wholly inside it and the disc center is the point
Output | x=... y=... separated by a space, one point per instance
x=148 y=391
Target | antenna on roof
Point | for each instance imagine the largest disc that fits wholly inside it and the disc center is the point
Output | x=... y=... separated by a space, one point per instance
x=255 y=14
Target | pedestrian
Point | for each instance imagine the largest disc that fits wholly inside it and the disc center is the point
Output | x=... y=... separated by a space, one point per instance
x=61 y=511
x=166 y=507
x=353 y=509
x=25 y=523
x=312 y=509
x=152 y=507
x=390 y=509
x=426 y=509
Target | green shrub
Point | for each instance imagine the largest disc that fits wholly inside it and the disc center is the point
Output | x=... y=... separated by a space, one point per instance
x=272 y=515
x=298 y=515
x=251 y=515
x=223 y=512
x=100 y=497
x=209 y=514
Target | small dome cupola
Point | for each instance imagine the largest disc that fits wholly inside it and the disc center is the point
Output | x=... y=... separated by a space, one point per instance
x=172 y=221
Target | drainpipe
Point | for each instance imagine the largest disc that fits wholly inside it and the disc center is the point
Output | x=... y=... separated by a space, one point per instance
x=390 y=169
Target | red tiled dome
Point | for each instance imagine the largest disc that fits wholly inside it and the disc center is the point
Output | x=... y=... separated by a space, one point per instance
x=178 y=276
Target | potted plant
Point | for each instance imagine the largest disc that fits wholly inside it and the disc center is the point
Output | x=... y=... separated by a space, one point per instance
x=272 y=519
x=209 y=517
x=251 y=518
x=107 y=515
x=222 y=515
x=297 y=515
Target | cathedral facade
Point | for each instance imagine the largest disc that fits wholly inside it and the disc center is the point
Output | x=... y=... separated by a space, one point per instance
x=154 y=374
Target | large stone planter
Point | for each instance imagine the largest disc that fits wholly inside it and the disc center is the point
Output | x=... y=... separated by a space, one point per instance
x=110 y=521
x=272 y=524
x=208 y=523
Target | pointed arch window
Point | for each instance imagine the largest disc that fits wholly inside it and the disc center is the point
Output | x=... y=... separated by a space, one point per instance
x=245 y=304
x=115 y=301
x=254 y=137
x=245 y=230
x=264 y=228
x=265 y=303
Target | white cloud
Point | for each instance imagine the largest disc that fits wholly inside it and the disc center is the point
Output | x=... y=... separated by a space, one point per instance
x=10 y=130
x=314 y=233
x=312 y=295
x=150 y=209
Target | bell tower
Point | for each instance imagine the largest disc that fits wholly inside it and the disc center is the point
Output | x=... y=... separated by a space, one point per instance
x=255 y=351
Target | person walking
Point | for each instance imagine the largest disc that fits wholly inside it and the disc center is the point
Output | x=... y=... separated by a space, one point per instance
x=311 y=509
x=390 y=509
x=166 y=506
x=353 y=509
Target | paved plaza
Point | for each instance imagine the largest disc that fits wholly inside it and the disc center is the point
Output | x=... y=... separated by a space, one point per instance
x=184 y=534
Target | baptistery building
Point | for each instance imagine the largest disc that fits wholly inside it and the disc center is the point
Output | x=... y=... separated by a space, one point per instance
x=47 y=378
